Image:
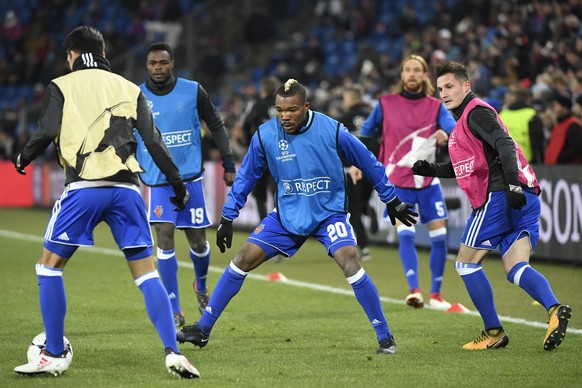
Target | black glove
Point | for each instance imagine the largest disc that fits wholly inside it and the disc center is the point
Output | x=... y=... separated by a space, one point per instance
x=424 y=168
x=19 y=163
x=224 y=234
x=515 y=197
x=182 y=196
x=403 y=211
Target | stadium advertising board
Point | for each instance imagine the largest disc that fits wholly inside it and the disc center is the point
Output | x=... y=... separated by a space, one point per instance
x=560 y=223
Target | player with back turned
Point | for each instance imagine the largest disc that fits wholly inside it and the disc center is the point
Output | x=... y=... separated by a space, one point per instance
x=90 y=114
x=503 y=191
x=303 y=150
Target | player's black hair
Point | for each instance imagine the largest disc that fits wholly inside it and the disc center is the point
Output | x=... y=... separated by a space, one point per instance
x=84 y=39
x=292 y=88
x=160 y=46
x=456 y=68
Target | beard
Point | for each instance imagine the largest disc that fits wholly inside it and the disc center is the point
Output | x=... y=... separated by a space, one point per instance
x=413 y=86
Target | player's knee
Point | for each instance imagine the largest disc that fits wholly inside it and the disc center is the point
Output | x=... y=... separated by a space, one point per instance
x=196 y=239
x=351 y=267
x=347 y=260
x=200 y=246
x=165 y=242
x=246 y=261
x=241 y=263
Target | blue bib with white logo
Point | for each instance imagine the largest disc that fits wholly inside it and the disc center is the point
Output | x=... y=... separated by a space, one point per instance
x=308 y=172
x=176 y=115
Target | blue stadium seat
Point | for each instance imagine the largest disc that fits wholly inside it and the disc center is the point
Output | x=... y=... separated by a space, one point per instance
x=330 y=47
x=332 y=65
x=256 y=74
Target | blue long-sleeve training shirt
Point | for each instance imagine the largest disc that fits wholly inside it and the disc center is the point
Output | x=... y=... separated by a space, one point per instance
x=307 y=170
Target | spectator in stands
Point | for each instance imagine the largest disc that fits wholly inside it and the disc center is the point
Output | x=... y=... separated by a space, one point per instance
x=6 y=145
x=565 y=145
x=523 y=123
x=359 y=193
x=262 y=111
x=539 y=35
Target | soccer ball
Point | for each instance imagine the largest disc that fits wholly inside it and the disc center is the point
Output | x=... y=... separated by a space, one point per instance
x=38 y=344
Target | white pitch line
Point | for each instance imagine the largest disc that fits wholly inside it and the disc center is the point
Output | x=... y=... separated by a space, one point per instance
x=290 y=282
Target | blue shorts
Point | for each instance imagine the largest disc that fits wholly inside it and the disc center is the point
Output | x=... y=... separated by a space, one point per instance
x=428 y=201
x=76 y=214
x=496 y=224
x=194 y=215
x=333 y=233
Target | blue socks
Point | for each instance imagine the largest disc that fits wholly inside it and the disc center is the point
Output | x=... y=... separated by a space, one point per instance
x=227 y=287
x=233 y=278
x=534 y=283
x=168 y=267
x=438 y=257
x=367 y=295
x=201 y=261
x=53 y=306
x=158 y=308
x=408 y=255
x=480 y=291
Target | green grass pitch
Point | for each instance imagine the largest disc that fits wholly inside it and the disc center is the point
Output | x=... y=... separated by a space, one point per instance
x=306 y=332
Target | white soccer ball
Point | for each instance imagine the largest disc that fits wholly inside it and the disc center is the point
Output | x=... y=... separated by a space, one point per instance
x=38 y=343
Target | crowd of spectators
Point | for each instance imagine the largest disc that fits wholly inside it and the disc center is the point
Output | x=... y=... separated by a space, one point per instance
x=325 y=44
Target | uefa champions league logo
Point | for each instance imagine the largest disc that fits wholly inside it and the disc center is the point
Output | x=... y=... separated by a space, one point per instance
x=285 y=156
x=151 y=106
x=287 y=187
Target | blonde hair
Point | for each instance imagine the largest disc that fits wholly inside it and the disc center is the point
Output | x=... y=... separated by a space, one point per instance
x=289 y=83
x=427 y=86
x=292 y=88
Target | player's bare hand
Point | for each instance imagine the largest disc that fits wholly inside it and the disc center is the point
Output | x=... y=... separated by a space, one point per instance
x=229 y=178
x=441 y=137
x=355 y=174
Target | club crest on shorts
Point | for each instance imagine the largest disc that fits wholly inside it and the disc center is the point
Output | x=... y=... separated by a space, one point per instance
x=159 y=210
x=259 y=228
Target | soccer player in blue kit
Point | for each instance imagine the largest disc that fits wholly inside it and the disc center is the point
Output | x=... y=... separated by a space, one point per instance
x=503 y=190
x=303 y=151
x=90 y=114
x=178 y=106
